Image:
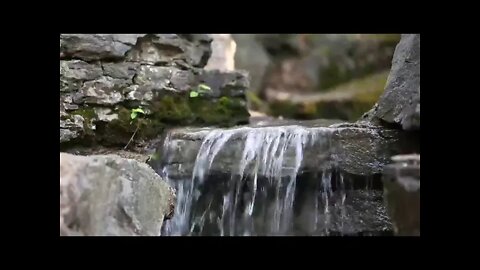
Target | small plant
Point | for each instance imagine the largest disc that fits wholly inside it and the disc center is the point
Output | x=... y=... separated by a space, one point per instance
x=133 y=115
x=135 y=112
x=201 y=89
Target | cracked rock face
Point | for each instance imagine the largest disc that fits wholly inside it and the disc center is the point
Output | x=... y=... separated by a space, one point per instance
x=106 y=195
x=104 y=76
x=400 y=103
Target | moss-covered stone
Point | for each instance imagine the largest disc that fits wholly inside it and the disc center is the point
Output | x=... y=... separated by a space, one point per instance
x=172 y=109
x=346 y=102
x=175 y=109
x=119 y=131
x=224 y=111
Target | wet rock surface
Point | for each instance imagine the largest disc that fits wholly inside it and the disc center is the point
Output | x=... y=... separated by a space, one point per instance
x=106 y=195
x=315 y=210
x=401 y=182
x=354 y=148
x=353 y=212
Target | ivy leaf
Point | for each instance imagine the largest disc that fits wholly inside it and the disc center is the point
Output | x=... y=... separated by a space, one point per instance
x=193 y=94
x=135 y=112
x=138 y=110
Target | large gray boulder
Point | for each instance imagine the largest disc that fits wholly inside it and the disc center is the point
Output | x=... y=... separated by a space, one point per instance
x=400 y=103
x=106 y=195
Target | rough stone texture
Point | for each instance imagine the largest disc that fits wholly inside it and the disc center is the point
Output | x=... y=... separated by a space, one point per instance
x=71 y=128
x=400 y=103
x=103 y=77
x=401 y=182
x=123 y=70
x=90 y=47
x=231 y=84
x=144 y=48
x=156 y=49
x=356 y=149
x=223 y=53
x=106 y=195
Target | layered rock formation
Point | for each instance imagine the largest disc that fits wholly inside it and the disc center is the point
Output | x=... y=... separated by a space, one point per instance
x=103 y=77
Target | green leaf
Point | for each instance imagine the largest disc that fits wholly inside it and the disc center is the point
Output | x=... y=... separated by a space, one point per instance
x=193 y=94
x=138 y=110
x=133 y=115
x=204 y=87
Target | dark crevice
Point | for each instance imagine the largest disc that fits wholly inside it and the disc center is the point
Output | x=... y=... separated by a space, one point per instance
x=389 y=125
x=66 y=57
x=102 y=67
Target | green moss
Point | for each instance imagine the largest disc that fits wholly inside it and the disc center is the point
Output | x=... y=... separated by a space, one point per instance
x=167 y=110
x=224 y=112
x=86 y=112
x=173 y=109
x=354 y=99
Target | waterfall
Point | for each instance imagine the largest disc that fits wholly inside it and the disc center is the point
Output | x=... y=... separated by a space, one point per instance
x=259 y=195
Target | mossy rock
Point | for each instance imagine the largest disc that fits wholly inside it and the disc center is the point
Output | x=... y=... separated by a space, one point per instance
x=346 y=102
x=369 y=53
x=173 y=109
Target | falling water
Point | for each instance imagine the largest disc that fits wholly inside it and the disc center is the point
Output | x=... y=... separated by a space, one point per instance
x=258 y=197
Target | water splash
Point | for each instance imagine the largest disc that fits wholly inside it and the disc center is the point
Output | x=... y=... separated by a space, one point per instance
x=258 y=197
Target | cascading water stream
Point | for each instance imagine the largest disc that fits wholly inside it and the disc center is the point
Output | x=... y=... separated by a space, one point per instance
x=259 y=196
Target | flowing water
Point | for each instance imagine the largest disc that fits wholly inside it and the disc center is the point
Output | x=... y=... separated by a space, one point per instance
x=266 y=194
